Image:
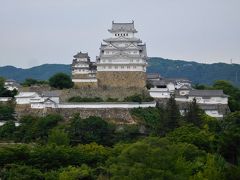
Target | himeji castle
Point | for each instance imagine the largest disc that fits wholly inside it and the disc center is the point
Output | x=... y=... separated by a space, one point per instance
x=122 y=61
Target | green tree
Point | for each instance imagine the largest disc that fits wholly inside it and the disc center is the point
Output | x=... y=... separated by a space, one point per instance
x=155 y=158
x=229 y=140
x=2 y=81
x=172 y=116
x=8 y=130
x=232 y=91
x=92 y=129
x=73 y=173
x=194 y=114
x=6 y=112
x=61 y=81
x=58 y=137
x=21 y=172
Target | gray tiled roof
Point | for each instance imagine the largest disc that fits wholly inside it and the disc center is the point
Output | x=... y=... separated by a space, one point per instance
x=81 y=55
x=127 y=27
x=213 y=93
x=153 y=76
x=50 y=94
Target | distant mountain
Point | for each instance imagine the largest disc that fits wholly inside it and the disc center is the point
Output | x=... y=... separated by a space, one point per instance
x=196 y=72
x=42 y=72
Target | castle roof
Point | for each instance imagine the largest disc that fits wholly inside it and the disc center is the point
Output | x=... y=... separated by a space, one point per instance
x=207 y=93
x=81 y=55
x=123 y=27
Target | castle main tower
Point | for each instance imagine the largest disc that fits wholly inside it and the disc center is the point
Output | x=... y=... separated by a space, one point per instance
x=123 y=58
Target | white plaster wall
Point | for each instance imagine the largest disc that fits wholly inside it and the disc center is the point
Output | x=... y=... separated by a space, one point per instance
x=121 y=68
x=107 y=105
x=212 y=100
x=23 y=100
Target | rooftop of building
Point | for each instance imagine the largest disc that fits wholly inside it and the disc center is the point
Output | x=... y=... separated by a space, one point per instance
x=81 y=55
x=212 y=93
x=123 y=27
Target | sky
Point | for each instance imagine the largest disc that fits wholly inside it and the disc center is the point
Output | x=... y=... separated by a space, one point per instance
x=52 y=31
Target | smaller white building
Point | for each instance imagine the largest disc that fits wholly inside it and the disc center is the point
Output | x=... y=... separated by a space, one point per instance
x=43 y=103
x=5 y=99
x=25 y=97
x=11 y=84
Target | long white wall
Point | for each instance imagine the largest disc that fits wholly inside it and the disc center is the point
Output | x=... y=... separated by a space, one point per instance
x=98 y=105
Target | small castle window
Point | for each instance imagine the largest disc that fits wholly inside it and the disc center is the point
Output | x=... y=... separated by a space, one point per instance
x=127 y=34
x=122 y=67
x=128 y=67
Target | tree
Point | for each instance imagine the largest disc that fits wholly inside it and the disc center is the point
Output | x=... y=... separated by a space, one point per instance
x=194 y=114
x=21 y=172
x=155 y=158
x=61 y=81
x=73 y=173
x=232 y=91
x=92 y=129
x=6 y=112
x=58 y=137
x=172 y=115
x=2 y=81
x=7 y=130
x=229 y=140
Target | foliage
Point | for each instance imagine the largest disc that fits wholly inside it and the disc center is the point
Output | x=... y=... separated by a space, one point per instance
x=194 y=114
x=61 y=81
x=85 y=99
x=172 y=116
x=155 y=158
x=21 y=172
x=92 y=129
x=58 y=137
x=7 y=130
x=232 y=91
x=36 y=128
x=6 y=112
x=2 y=81
x=192 y=135
x=73 y=173
x=30 y=82
x=229 y=145
x=150 y=117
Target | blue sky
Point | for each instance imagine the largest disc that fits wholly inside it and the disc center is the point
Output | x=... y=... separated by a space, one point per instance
x=52 y=31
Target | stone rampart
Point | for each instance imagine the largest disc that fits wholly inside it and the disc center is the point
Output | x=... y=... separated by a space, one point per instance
x=121 y=79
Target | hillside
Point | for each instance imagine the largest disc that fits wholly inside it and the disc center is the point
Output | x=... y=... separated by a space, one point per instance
x=196 y=72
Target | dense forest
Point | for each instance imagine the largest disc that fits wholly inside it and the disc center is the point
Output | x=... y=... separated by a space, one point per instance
x=196 y=72
x=162 y=144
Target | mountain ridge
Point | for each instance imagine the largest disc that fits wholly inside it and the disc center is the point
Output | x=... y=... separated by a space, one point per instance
x=200 y=73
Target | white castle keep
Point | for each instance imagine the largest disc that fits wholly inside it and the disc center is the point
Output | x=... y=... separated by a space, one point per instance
x=122 y=61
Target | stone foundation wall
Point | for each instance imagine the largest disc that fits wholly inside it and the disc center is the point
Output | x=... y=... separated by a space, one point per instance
x=80 y=76
x=118 y=116
x=121 y=79
x=78 y=85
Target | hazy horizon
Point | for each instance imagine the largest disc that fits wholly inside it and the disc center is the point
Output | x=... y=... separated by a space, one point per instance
x=39 y=32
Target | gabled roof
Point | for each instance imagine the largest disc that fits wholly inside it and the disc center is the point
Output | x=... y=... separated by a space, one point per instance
x=123 y=27
x=207 y=93
x=81 y=55
x=27 y=95
x=50 y=94
x=123 y=39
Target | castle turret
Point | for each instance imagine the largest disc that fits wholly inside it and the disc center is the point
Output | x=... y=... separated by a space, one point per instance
x=123 y=58
x=83 y=70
